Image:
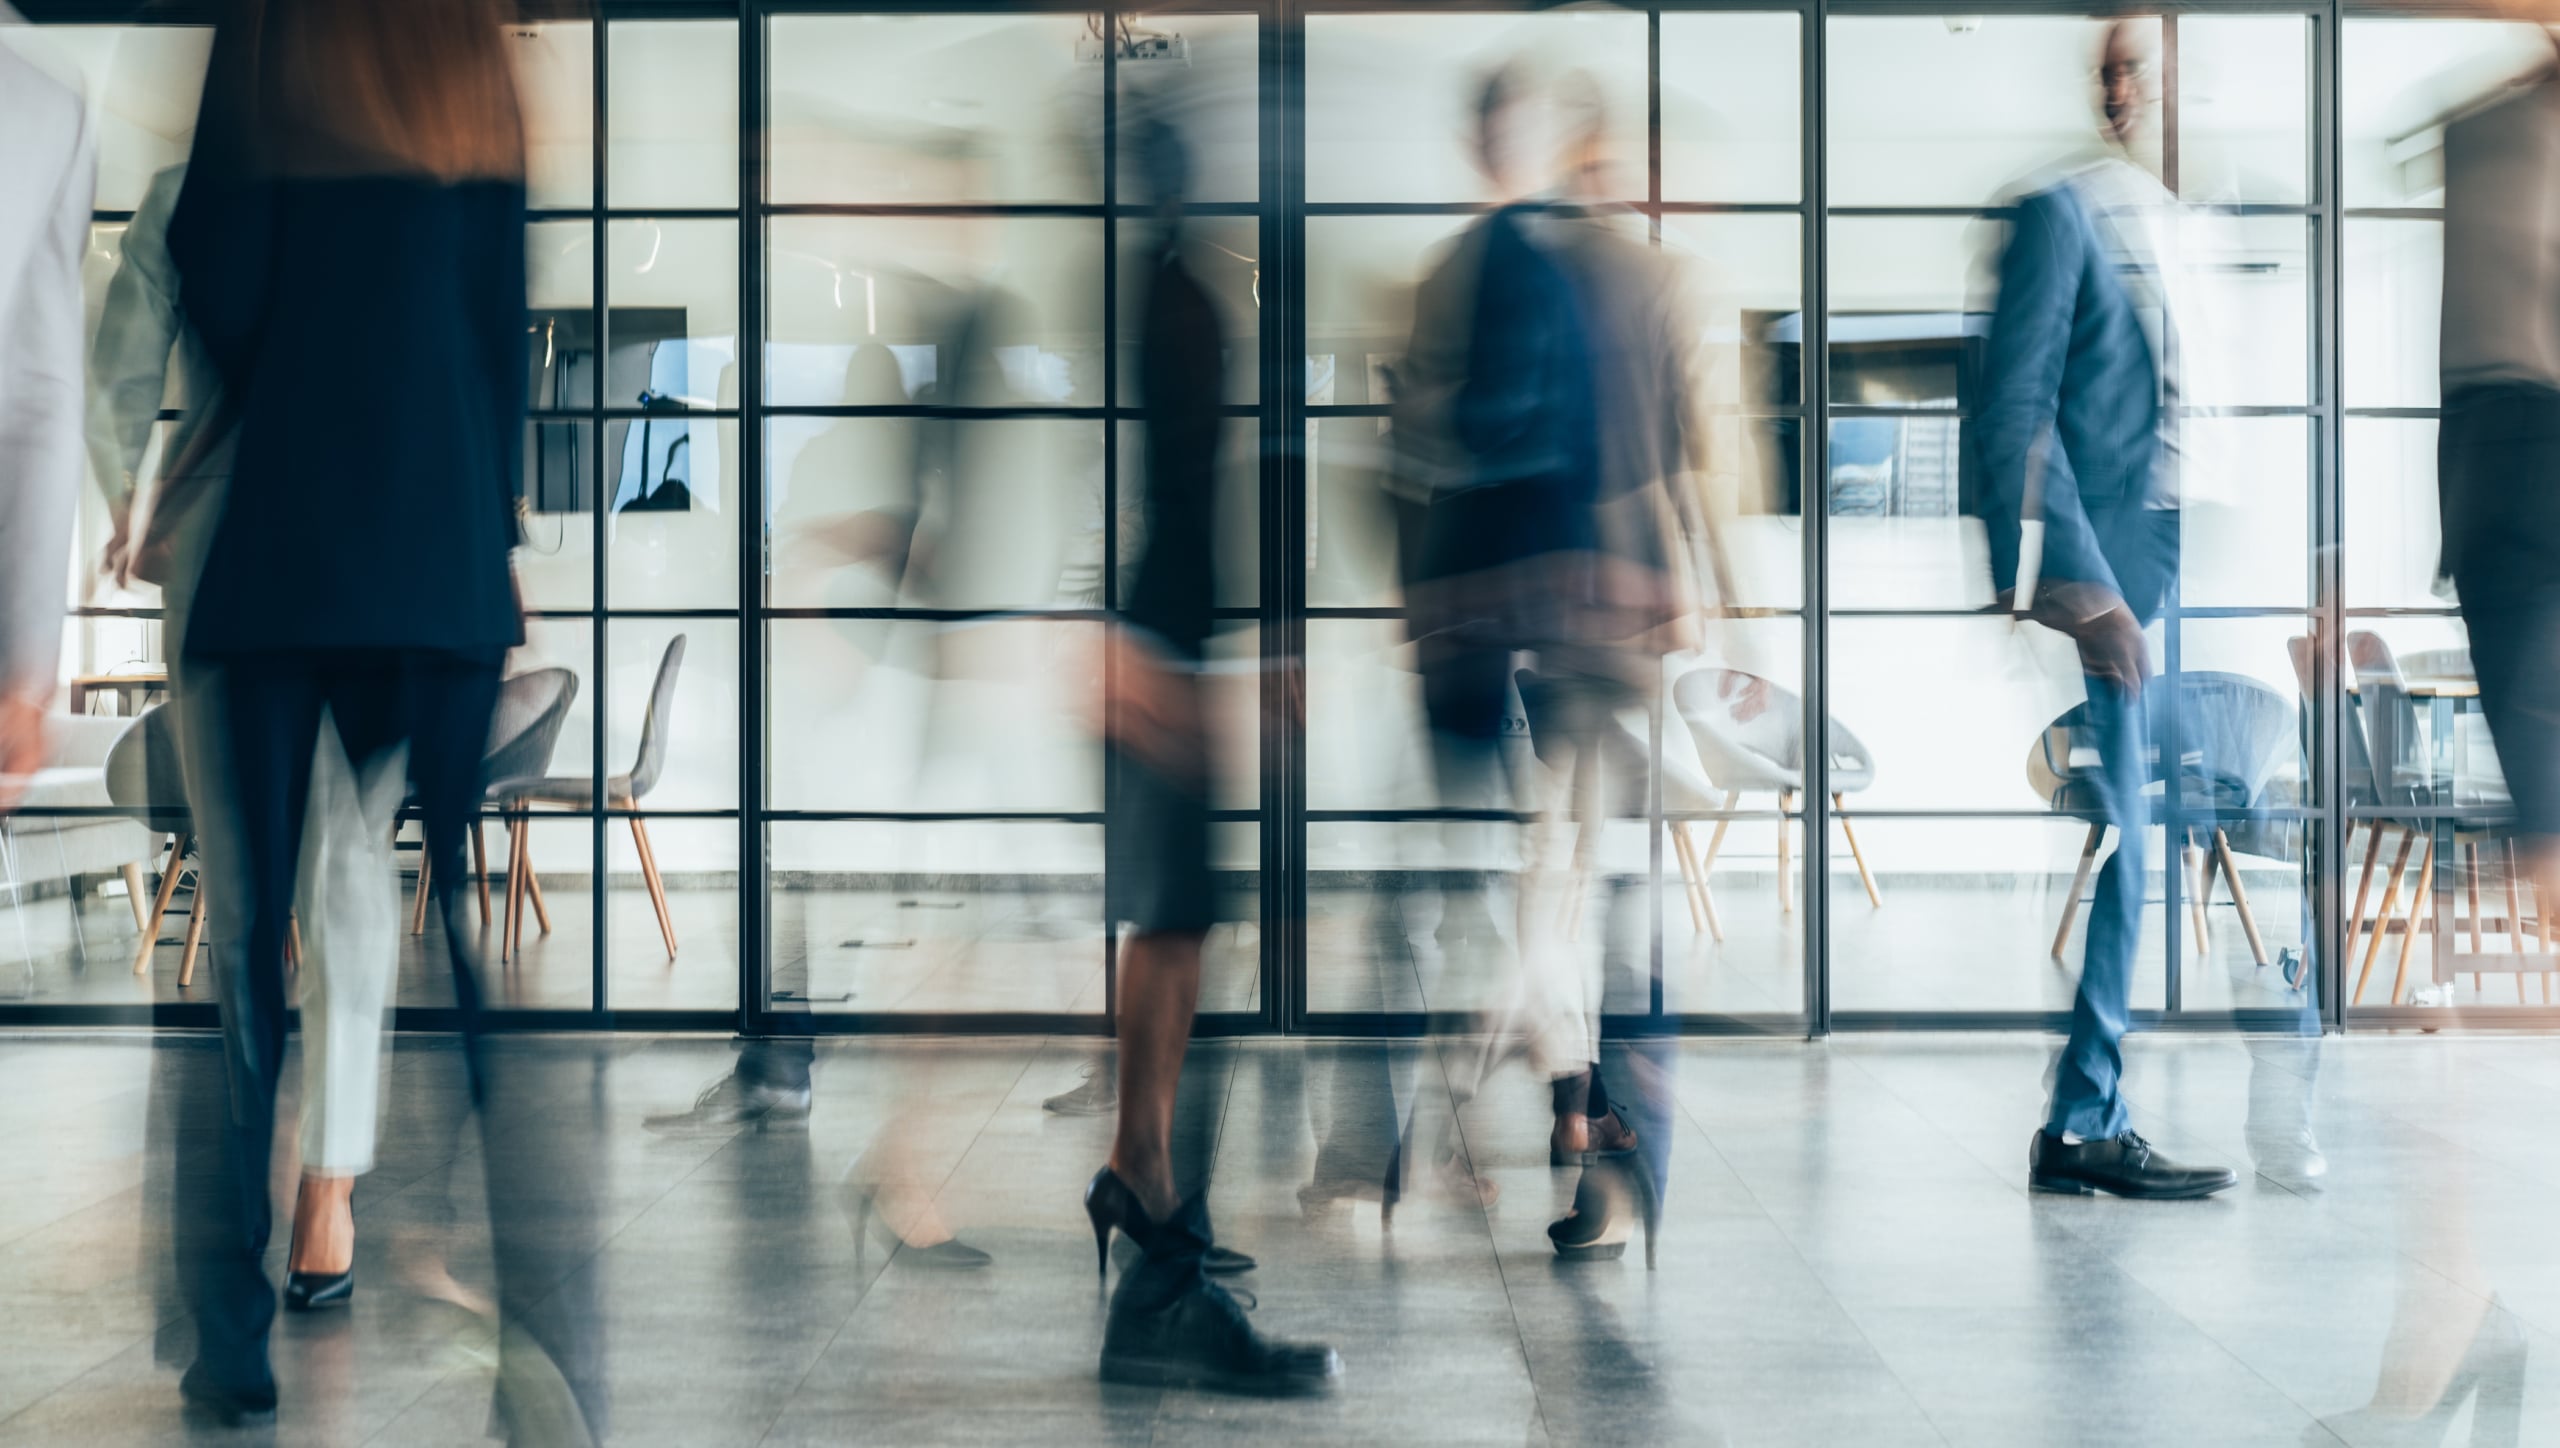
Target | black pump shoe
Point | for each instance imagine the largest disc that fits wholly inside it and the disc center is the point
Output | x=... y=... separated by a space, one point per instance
x=1614 y=1192
x=1109 y=1204
x=313 y=1291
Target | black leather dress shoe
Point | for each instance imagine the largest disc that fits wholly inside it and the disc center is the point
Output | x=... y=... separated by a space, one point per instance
x=227 y=1402
x=1200 y=1339
x=2124 y=1166
x=312 y=1291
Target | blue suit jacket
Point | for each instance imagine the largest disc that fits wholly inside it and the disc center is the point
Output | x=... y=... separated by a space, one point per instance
x=2069 y=368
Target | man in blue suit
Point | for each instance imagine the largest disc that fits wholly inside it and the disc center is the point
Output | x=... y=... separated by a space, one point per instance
x=2082 y=513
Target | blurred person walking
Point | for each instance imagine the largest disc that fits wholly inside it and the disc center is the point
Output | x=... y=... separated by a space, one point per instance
x=348 y=886
x=358 y=190
x=48 y=169
x=1169 y=1323
x=2082 y=514
x=2498 y=449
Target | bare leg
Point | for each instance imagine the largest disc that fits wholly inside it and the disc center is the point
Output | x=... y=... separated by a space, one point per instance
x=1159 y=993
x=324 y=1227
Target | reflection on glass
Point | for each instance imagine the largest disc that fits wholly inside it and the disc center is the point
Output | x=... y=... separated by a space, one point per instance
x=922 y=917
x=950 y=311
x=1391 y=98
x=934 y=110
x=1205 y=70
x=1731 y=100
x=671 y=114
x=968 y=715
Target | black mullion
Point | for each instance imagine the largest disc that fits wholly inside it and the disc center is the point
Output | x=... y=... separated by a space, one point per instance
x=755 y=863
x=1814 y=506
x=1653 y=705
x=2329 y=932
x=2174 y=616
x=598 y=1000
x=1282 y=544
x=1110 y=482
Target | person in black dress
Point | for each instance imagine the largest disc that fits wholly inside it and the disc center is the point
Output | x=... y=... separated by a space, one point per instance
x=1169 y=1322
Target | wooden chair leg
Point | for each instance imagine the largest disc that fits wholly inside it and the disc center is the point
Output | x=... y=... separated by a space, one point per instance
x=480 y=867
x=2200 y=878
x=658 y=886
x=2079 y=883
x=2471 y=887
x=160 y=903
x=426 y=882
x=2364 y=878
x=533 y=884
x=2419 y=903
x=195 y=936
x=133 y=892
x=1701 y=894
x=2515 y=904
x=1687 y=861
x=511 y=934
x=1874 y=897
x=2240 y=897
x=2382 y=920
x=1786 y=854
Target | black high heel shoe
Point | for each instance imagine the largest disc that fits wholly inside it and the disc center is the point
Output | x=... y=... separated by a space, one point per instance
x=1110 y=1204
x=948 y=1255
x=1598 y=1228
x=317 y=1291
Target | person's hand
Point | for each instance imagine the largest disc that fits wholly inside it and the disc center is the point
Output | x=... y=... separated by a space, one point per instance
x=115 y=561
x=22 y=734
x=1746 y=695
x=2112 y=648
x=1149 y=704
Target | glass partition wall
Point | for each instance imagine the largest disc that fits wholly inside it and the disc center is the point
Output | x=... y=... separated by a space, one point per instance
x=836 y=475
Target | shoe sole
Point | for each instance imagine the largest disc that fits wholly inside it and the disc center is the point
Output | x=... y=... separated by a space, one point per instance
x=2075 y=1187
x=1159 y=1373
x=1595 y=1252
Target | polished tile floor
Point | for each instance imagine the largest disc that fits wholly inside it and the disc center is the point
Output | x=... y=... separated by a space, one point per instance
x=1850 y=1255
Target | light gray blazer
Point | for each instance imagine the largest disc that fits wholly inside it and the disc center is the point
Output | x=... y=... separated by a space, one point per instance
x=48 y=174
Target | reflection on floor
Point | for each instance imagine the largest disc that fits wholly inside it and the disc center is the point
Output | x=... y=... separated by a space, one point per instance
x=1938 y=943
x=1849 y=1255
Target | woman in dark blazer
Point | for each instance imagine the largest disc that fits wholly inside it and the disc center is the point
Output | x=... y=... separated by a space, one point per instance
x=350 y=245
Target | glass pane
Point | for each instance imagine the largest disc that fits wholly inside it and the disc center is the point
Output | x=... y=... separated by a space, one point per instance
x=1367 y=744
x=973 y=715
x=967 y=311
x=1733 y=944
x=144 y=84
x=1731 y=102
x=935 y=513
x=2247 y=718
x=1972 y=911
x=555 y=85
x=1222 y=254
x=1363 y=528
x=980 y=916
x=673 y=332
x=2243 y=326
x=2393 y=304
x=1897 y=538
x=934 y=110
x=1955 y=110
x=671 y=114
x=1906 y=292
x=1391 y=99
x=2394 y=522
x=2244 y=108
x=1362 y=272
x=563 y=643
x=2402 y=80
x=677 y=545
x=1209 y=84
x=689 y=738
x=1239 y=522
x=555 y=560
x=2244 y=487
x=692 y=866
x=551 y=965
x=1951 y=710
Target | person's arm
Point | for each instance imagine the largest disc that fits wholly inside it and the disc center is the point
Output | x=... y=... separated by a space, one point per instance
x=40 y=447
x=2030 y=340
x=138 y=331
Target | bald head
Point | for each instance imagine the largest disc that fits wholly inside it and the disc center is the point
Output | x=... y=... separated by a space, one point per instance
x=2129 y=81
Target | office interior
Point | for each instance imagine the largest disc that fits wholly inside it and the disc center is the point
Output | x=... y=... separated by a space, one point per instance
x=873 y=807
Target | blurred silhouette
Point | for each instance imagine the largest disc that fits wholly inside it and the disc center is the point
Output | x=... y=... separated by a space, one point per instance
x=49 y=171
x=2498 y=447
x=347 y=886
x=358 y=178
x=2082 y=512
x=1169 y=1323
